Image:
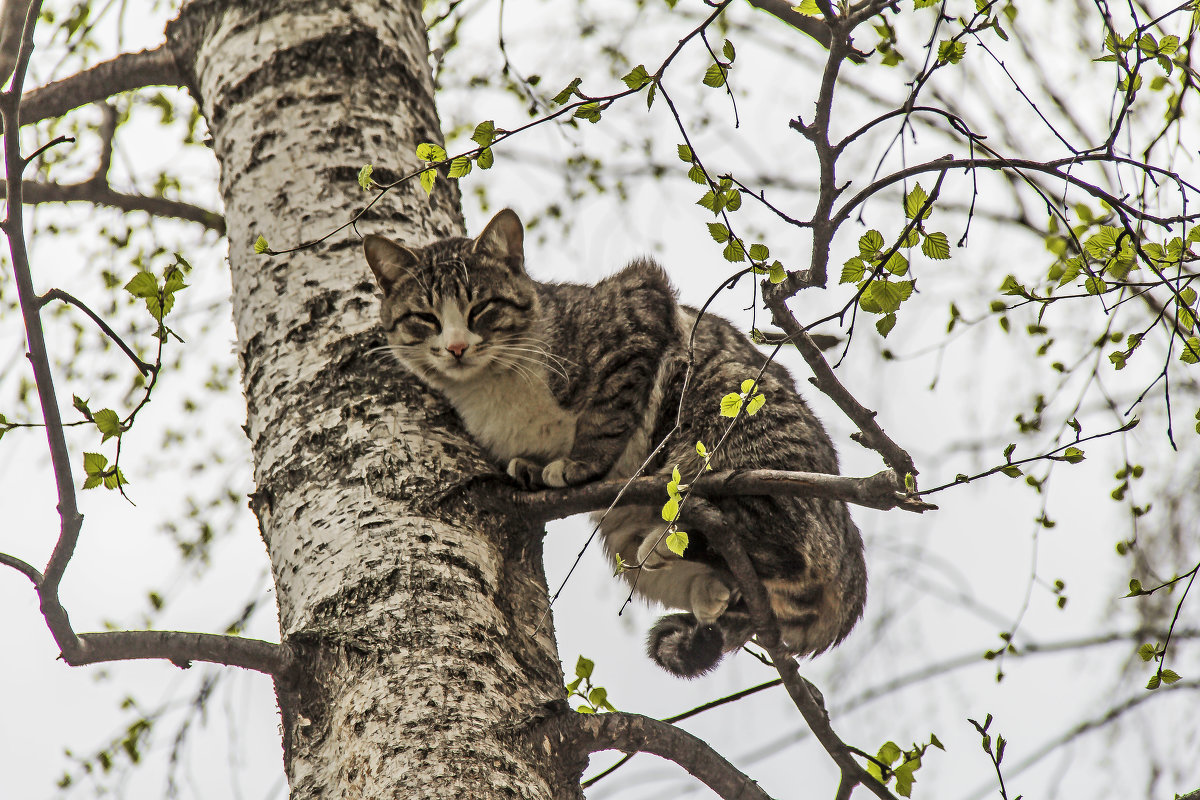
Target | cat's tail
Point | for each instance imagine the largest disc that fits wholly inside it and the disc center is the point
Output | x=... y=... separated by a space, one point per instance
x=684 y=647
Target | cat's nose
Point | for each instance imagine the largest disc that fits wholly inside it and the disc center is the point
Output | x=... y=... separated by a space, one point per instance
x=457 y=348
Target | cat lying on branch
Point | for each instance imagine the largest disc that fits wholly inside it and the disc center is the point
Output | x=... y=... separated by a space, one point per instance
x=565 y=384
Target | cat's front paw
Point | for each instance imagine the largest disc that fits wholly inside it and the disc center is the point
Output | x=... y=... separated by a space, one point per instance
x=565 y=472
x=525 y=472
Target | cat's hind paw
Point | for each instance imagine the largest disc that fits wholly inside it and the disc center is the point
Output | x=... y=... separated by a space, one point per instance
x=565 y=472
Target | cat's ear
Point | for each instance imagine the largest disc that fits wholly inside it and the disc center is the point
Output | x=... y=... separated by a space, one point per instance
x=504 y=238
x=389 y=261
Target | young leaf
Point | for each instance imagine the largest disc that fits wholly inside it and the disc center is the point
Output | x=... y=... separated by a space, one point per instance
x=108 y=423
x=936 y=245
x=428 y=151
x=584 y=667
x=485 y=133
x=364 y=177
x=731 y=404
x=427 y=179
x=261 y=246
x=714 y=76
x=637 y=77
x=677 y=542
x=670 y=510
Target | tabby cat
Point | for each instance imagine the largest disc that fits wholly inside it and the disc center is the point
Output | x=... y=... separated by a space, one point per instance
x=565 y=384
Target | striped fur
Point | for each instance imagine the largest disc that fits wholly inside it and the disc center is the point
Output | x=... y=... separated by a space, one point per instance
x=565 y=383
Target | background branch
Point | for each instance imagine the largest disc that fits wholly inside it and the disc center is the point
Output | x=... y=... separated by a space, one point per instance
x=100 y=193
x=125 y=72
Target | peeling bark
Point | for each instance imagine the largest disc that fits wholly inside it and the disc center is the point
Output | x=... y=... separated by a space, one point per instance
x=420 y=662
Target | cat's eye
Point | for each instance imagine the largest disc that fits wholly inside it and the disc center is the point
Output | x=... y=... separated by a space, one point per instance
x=422 y=318
x=489 y=306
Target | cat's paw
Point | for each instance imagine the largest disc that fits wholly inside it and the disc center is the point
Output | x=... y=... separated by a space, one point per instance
x=525 y=472
x=710 y=597
x=565 y=472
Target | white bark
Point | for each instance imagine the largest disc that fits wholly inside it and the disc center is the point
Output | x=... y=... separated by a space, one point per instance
x=416 y=617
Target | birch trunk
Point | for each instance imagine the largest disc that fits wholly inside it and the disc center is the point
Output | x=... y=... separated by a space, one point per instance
x=417 y=616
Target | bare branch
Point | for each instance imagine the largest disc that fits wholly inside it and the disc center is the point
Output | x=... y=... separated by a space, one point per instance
x=882 y=491
x=181 y=648
x=59 y=294
x=121 y=74
x=23 y=567
x=590 y=733
x=812 y=26
x=871 y=435
x=99 y=192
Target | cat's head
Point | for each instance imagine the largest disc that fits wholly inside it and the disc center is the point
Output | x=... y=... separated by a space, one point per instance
x=458 y=307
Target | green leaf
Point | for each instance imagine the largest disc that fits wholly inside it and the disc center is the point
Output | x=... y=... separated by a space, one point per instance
x=145 y=285
x=718 y=232
x=588 y=111
x=1012 y=472
x=733 y=199
x=1095 y=285
x=853 y=270
x=885 y=324
x=778 y=273
x=1191 y=350
x=685 y=153
x=584 y=667
x=261 y=246
x=889 y=753
x=808 y=8
x=1170 y=676
x=869 y=244
x=897 y=264
x=428 y=151
x=701 y=450
x=734 y=252
x=697 y=175
x=677 y=543
x=108 y=423
x=427 y=179
x=759 y=252
x=485 y=133
x=1187 y=295
x=459 y=167
x=756 y=402
x=598 y=696
x=586 y=710
x=714 y=76
x=670 y=510
x=951 y=52
x=565 y=95
x=728 y=51
x=364 y=176
x=936 y=245
x=914 y=200
x=1147 y=652
x=637 y=77
x=1073 y=455
x=485 y=158
x=1135 y=588
x=731 y=404
x=1153 y=682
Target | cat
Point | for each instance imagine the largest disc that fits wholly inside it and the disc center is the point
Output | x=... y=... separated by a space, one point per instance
x=565 y=383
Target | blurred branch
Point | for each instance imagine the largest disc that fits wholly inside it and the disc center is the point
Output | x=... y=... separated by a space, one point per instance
x=125 y=72
x=100 y=193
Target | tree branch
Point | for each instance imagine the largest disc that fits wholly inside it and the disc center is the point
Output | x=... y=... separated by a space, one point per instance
x=882 y=491
x=181 y=648
x=23 y=567
x=706 y=517
x=590 y=733
x=812 y=26
x=870 y=433
x=125 y=72
x=99 y=192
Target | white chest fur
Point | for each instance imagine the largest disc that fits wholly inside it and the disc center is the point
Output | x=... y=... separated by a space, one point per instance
x=513 y=416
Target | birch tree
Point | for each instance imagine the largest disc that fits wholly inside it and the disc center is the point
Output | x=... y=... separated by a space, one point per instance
x=416 y=653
